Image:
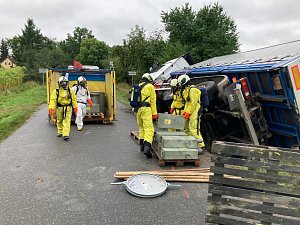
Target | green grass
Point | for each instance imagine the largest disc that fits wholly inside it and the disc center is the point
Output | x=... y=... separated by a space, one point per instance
x=17 y=105
x=122 y=93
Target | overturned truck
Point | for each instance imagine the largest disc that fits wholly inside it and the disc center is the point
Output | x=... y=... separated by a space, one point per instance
x=254 y=96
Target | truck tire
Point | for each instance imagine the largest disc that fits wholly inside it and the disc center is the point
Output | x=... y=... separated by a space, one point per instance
x=212 y=89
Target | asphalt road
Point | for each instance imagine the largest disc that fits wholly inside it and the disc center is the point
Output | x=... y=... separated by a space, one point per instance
x=45 y=180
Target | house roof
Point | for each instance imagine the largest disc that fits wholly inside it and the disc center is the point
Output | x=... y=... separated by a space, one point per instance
x=8 y=57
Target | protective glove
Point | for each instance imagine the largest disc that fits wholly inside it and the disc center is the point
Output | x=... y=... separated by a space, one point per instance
x=51 y=112
x=172 y=110
x=154 y=117
x=186 y=115
x=90 y=102
x=75 y=111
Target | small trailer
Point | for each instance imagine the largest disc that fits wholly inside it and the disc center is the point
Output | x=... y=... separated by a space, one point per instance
x=101 y=85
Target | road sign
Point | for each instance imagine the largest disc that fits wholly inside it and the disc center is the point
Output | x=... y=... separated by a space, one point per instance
x=132 y=73
x=42 y=70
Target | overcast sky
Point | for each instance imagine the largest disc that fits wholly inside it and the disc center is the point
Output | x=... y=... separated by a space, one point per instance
x=260 y=23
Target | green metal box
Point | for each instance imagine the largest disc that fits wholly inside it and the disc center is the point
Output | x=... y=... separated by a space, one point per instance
x=178 y=142
x=179 y=153
x=169 y=121
x=160 y=134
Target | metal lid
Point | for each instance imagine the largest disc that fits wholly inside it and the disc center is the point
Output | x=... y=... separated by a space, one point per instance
x=146 y=185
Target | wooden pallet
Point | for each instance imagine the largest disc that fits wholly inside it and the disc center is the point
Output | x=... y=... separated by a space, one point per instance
x=178 y=162
x=135 y=136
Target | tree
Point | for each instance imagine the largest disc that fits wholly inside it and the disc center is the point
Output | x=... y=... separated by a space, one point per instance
x=205 y=34
x=31 y=39
x=32 y=50
x=72 y=44
x=135 y=51
x=93 y=52
x=172 y=50
x=3 y=50
x=140 y=52
x=179 y=22
x=118 y=56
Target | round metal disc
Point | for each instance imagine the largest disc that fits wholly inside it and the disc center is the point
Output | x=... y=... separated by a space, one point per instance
x=146 y=185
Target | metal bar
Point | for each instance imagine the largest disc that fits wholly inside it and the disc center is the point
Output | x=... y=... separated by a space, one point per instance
x=246 y=116
x=259 y=83
x=271 y=82
x=288 y=92
x=81 y=70
x=233 y=114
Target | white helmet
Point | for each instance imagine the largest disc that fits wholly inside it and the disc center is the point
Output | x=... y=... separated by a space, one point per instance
x=174 y=83
x=148 y=77
x=63 y=81
x=183 y=79
x=81 y=81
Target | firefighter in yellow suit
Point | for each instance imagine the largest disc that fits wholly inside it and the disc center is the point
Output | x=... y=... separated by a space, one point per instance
x=191 y=96
x=62 y=99
x=146 y=113
x=177 y=105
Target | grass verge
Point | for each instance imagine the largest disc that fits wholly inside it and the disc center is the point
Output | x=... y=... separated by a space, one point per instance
x=122 y=93
x=17 y=105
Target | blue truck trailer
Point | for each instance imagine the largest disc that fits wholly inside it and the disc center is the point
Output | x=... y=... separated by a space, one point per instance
x=271 y=77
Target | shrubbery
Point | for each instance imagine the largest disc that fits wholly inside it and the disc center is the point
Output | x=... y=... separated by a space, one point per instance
x=11 y=77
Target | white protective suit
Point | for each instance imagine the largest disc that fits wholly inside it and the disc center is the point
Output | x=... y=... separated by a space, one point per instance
x=83 y=98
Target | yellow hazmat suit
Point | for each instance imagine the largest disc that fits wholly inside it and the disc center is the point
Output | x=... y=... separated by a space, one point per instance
x=145 y=113
x=63 y=104
x=177 y=104
x=191 y=96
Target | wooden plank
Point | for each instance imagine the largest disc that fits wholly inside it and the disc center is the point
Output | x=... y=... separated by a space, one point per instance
x=254 y=206
x=290 y=180
x=269 y=165
x=167 y=173
x=269 y=196
x=267 y=204
x=223 y=220
x=252 y=145
x=231 y=149
x=256 y=186
x=286 y=201
x=254 y=215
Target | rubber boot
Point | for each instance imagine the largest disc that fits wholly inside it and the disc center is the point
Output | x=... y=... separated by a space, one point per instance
x=66 y=138
x=147 y=149
x=142 y=145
